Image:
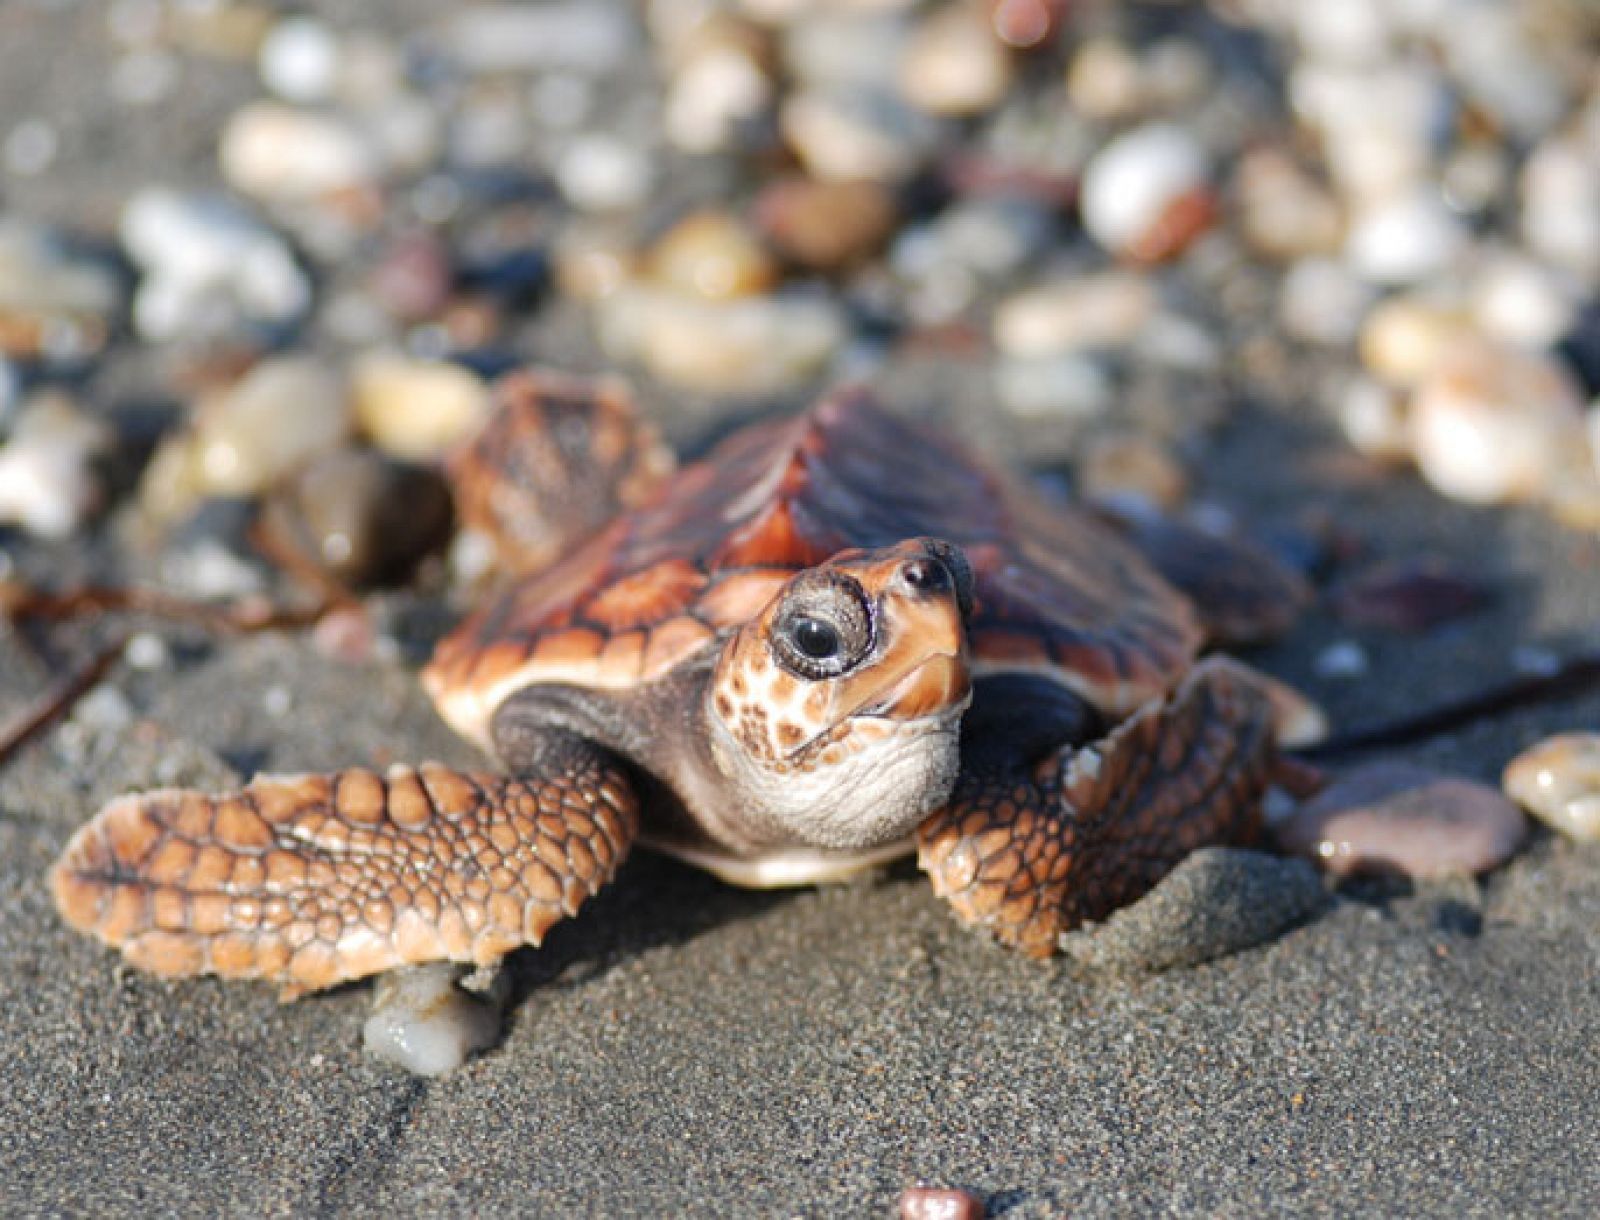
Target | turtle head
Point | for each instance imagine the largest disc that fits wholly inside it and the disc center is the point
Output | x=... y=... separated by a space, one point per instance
x=836 y=712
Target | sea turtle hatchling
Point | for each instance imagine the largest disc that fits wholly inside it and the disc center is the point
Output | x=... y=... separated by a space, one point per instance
x=837 y=638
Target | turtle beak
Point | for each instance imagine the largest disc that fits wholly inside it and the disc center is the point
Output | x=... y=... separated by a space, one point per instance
x=922 y=612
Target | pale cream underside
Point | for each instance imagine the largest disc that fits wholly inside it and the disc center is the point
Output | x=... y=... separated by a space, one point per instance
x=782 y=869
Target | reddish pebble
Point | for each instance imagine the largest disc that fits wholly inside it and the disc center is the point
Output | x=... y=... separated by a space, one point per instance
x=413 y=277
x=934 y=1203
x=1394 y=818
x=1411 y=595
x=346 y=635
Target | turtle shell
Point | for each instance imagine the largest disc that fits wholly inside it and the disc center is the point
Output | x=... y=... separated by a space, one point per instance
x=1055 y=591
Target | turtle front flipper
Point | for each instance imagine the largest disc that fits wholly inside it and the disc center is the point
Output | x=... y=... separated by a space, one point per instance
x=312 y=880
x=1029 y=851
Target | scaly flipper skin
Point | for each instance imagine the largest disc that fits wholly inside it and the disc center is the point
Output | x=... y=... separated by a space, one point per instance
x=312 y=880
x=1029 y=852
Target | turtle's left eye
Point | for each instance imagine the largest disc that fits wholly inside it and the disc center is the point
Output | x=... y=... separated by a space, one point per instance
x=824 y=628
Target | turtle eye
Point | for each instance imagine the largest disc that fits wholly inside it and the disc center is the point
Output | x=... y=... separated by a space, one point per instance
x=824 y=628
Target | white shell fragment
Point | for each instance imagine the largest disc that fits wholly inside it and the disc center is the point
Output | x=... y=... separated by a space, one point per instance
x=423 y=1022
x=48 y=485
x=1558 y=781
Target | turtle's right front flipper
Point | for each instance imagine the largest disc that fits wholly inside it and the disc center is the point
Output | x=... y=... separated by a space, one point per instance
x=312 y=880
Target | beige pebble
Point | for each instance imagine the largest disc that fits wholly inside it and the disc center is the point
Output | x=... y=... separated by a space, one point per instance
x=825 y=226
x=1128 y=465
x=1558 y=781
x=277 y=415
x=710 y=254
x=416 y=409
x=281 y=153
x=1285 y=213
x=1492 y=425
x=954 y=64
x=593 y=260
x=1406 y=337
x=1104 y=310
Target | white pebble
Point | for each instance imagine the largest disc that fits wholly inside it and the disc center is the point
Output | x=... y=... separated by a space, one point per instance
x=1406 y=337
x=48 y=485
x=208 y=570
x=1131 y=183
x=602 y=173
x=1373 y=418
x=1561 y=206
x=31 y=147
x=1493 y=424
x=147 y=651
x=1517 y=301
x=299 y=60
x=209 y=267
x=1558 y=781
x=423 y=1022
x=712 y=96
x=1404 y=239
x=1068 y=388
x=105 y=709
x=1321 y=302
x=585 y=35
x=1343 y=660
x=277 y=701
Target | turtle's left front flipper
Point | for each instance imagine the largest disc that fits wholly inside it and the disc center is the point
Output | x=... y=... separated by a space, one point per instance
x=1030 y=851
x=311 y=880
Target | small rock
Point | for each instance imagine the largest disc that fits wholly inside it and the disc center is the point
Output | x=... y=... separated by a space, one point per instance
x=717 y=94
x=1404 y=239
x=1491 y=424
x=574 y=34
x=360 y=516
x=209 y=267
x=1104 y=80
x=1398 y=818
x=1344 y=660
x=845 y=135
x=1108 y=309
x=54 y=303
x=1320 y=301
x=603 y=173
x=709 y=254
x=423 y=1022
x=1283 y=212
x=954 y=64
x=1120 y=467
x=825 y=226
x=1027 y=23
x=283 y=154
x=1561 y=205
x=48 y=484
x=299 y=60
x=282 y=412
x=936 y=1203
x=413 y=277
x=1071 y=388
x=1373 y=418
x=1517 y=301
x=752 y=345
x=1220 y=900
x=347 y=635
x=1408 y=595
x=1146 y=194
x=1406 y=337
x=592 y=261
x=416 y=409
x=1558 y=781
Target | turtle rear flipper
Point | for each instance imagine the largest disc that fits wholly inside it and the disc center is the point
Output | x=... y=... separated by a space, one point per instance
x=312 y=880
x=1031 y=850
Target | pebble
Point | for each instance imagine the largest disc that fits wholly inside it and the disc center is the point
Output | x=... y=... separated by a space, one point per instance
x=282 y=412
x=750 y=345
x=207 y=570
x=1560 y=193
x=718 y=94
x=1108 y=309
x=30 y=147
x=1398 y=818
x=1491 y=424
x=825 y=226
x=416 y=409
x=590 y=36
x=1373 y=418
x=1218 y=901
x=48 y=482
x=1404 y=239
x=1517 y=301
x=846 y=135
x=412 y=278
x=54 y=303
x=1558 y=781
x=954 y=64
x=1067 y=389
x=1343 y=660
x=423 y=1022
x=1284 y=213
x=1130 y=466
x=939 y=1203
x=603 y=173
x=1146 y=194
x=593 y=260
x=360 y=516
x=1105 y=80
x=286 y=154
x=1320 y=301
x=1414 y=594
x=147 y=652
x=299 y=60
x=709 y=254
x=1406 y=337
x=209 y=267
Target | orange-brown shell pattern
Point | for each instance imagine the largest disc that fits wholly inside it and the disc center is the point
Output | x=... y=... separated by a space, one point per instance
x=1055 y=591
